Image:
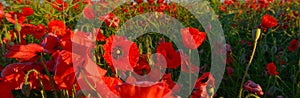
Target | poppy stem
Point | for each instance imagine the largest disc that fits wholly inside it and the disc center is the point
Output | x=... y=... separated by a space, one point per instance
x=41 y=83
x=18 y=28
x=89 y=84
x=190 y=74
x=258 y=31
x=49 y=75
x=268 y=85
x=74 y=91
x=252 y=95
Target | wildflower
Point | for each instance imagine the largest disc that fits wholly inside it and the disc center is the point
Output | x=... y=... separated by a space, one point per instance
x=293 y=45
x=27 y=11
x=120 y=52
x=192 y=38
x=169 y=54
x=271 y=68
x=268 y=21
x=143 y=89
x=202 y=83
x=253 y=87
x=10 y=17
x=88 y=13
x=25 y=52
x=57 y=27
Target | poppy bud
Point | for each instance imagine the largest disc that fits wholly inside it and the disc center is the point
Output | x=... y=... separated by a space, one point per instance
x=256 y=34
x=26 y=89
x=18 y=27
x=211 y=91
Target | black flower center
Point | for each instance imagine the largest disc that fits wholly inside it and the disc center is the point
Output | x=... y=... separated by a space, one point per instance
x=117 y=53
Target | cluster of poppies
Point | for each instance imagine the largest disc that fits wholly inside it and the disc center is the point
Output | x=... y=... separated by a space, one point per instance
x=268 y=16
x=53 y=57
x=43 y=52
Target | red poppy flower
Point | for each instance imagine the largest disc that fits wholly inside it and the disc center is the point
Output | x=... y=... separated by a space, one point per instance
x=143 y=90
x=263 y=3
x=112 y=83
x=202 y=84
x=15 y=80
x=27 y=11
x=10 y=17
x=271 y=68
x=142 y=67
x=40 y=31
x=293 y=45
x=162 y=8
x=65 y=41
x=24 y=52
x=228 y=2
x=50 y=43
x=268 y=21
x=169 y=54
x=36 y=31
x=223 y=8
x=121 y=53
x=1 y=11
x=140 y=9
x=229 y=70
x=150 y=1
x=15 y=68
x=88 y=13
x=172 y=7
x=88 y=65
x=34 y=81
x=100 y=36
x=26 y=29
x=64 y=77
x=253 y=87
x=192 y=38
x=64 y=74
x=160 y=1
x=57 y=27
x=167 y=78
x=59 y=5
x=139 y=1
x=110 y=20
x=6 y=90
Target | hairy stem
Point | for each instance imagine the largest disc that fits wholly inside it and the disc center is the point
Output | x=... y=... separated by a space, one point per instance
x=258 y=31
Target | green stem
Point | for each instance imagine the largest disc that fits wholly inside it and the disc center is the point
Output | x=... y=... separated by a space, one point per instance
x=41 y=83
x=49 y=75
x=252 y=95
x=89 y=84
x=269 y=82
x=190 y=75
x=258 y=31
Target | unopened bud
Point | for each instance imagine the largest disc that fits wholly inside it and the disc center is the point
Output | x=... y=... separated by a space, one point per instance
x=26 y=89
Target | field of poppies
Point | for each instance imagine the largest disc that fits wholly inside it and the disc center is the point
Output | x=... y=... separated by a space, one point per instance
x=77 y=49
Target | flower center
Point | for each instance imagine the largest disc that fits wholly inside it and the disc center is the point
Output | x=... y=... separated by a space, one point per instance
x=117 y=53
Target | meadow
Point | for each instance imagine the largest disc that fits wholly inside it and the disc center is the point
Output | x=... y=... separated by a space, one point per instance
x=150 y=49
